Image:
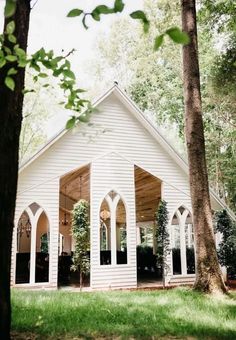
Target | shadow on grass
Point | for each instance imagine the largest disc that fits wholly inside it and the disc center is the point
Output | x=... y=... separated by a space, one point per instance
x=142 y=315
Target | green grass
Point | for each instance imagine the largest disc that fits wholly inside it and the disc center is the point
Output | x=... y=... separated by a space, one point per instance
x=125 y=314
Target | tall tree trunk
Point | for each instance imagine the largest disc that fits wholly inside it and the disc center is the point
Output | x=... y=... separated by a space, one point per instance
x=11 y=103
x=80 y=279
x=208 y=275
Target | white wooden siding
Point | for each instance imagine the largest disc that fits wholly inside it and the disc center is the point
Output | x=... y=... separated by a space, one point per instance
x=116 y=130
x=112 y=172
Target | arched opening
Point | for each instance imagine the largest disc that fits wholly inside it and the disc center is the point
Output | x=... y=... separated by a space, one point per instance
x=105 y=234
x=176 y=244
x=182 y=237
x=23 y=249
x=147 y=197
x=121 y=233
x=74 y=186
x=113 y=230
x=189 y=243
x=42 y=249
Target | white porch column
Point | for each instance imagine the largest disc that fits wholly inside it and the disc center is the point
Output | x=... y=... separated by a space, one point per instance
x=34 y=221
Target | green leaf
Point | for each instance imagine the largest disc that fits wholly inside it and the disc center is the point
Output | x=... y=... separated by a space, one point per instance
x=119 y=6
x=69 y=74
x=42 y=75
x=74 y=13
x=10 y=27
x=10 y=8
x=12 y=38
x=11 y=71
x=25 y=91
x=2 y=62
x=35 y=66
x=140 y=15
x=158 y=42
x=11 y=58
x=20 y=52
x=84 y=118
x=146 y=26
x=95 y=16
x=71 y=123
x=42 y=53
x=9 y=82
x=178 y=36
x=7 y=50
x=103 y=9
x=57 y=72
x=22 y=63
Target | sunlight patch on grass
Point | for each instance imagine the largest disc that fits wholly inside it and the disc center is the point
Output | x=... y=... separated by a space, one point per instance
x=125 y=314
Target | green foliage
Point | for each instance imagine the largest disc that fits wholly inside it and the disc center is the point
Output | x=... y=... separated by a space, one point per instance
x=227 y=247
x=174 y=33
x=40 y=104
x=43 y=64
x=162 y=237
x=10 y=8
x=80 y=234
x=141 y=16
x=178 y=36
x=219 y=14
x=75 y=13
x=97 y=11
x=158 y=42
x=10 y=83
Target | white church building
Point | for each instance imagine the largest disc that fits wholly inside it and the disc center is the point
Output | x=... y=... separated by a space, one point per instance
x=122 y=165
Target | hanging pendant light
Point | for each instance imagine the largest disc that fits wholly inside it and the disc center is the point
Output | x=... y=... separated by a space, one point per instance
x=24 y=225
x=65 y=220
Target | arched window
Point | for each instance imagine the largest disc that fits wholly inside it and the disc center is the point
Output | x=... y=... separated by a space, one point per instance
x=121 y=233
x=189 y=243
x=176 y=251
x=23 y=249
x=105 y=233
x=183 y=258
x=113 y=230
x=33 y=236
x=42 y=249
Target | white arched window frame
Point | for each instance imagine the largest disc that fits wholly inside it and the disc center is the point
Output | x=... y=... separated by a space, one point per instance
x=182 y=220
x=103 y=227
x=112 y=203
x=34 y=215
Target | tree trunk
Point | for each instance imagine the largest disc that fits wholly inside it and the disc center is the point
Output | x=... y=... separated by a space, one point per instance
x=11 y=103
x=208 y=274
x=80 y=280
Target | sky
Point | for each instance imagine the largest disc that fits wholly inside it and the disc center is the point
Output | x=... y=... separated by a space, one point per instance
x=51 y=29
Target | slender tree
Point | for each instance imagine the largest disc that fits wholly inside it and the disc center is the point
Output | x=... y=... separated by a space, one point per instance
x=80 y=234
x=208 y=274
x=10 y=121
x=162 y=239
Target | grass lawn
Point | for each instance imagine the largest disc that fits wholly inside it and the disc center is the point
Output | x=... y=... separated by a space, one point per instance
x=178 y=313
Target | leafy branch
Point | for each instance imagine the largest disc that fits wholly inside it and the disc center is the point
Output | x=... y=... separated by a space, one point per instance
x=174 y=33
x=15 y=57
x=59 y=65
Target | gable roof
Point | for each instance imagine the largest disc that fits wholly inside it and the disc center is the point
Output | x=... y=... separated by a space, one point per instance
x=153 y=130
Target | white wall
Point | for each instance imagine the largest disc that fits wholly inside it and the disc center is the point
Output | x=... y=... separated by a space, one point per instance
x=112 y=172
x=114 y=130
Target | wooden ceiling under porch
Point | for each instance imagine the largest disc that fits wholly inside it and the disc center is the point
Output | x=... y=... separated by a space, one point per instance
x=76 y=185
